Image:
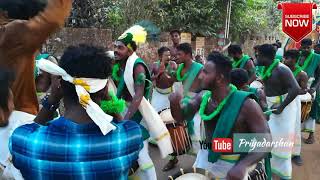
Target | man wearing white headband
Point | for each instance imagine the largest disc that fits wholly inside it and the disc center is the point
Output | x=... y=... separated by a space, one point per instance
x=86 y=143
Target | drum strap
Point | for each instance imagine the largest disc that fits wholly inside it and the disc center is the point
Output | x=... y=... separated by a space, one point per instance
x=227 y=119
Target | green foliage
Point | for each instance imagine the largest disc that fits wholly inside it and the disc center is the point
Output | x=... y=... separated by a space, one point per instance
x=205 y=17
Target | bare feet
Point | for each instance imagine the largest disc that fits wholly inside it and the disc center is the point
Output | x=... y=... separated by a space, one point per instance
x=297 y=160
x=310 y=139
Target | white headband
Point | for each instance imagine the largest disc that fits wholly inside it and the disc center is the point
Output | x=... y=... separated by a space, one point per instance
x=84 y=86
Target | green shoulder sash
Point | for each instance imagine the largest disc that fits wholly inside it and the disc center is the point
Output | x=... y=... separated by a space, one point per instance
x=227 y=119
x=194 y=71
x=242 y=62
x=312 y=66
x=122 y=84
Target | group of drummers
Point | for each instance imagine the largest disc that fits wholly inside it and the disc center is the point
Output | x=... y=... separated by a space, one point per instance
x=284 y=86
x=115 y=105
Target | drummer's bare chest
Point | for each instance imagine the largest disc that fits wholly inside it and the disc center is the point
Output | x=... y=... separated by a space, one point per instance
x=240 y=125
x=195 y=84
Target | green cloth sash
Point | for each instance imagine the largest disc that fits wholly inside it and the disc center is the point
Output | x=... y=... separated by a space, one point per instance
x=137 y=117
x=194 y=71
x=227 y=120
x=254 y=91
x=312 y=66
x=241 y=63
x=315 y=109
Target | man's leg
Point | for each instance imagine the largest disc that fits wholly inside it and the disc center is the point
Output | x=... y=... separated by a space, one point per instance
x=309 y=126
x=281 y=167
x=296 y=154
x=148 y=172
x=314 y=115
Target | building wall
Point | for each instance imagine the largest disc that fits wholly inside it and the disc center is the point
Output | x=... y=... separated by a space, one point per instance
x=103 y=37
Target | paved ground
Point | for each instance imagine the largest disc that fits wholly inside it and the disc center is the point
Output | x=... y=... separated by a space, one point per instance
x=185 y=162
x=309 y=171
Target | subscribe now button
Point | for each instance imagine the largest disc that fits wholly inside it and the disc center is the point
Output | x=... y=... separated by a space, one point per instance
x=222 y=145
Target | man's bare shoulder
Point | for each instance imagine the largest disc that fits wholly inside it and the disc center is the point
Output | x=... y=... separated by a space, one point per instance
x=250 y=109
x=303 y=75
x=16 y=26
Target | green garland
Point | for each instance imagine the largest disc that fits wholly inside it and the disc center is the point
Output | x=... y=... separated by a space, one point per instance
x=235 y=64
x=179 y=78
x=306 y=62
x=206 y=99
x=265 y=74
x=113 y=106
x=297 y=71
x=115 y=71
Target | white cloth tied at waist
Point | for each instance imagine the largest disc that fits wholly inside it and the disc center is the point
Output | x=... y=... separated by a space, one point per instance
x=282 y=126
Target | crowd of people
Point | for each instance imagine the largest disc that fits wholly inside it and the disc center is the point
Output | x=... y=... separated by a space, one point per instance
x=100 y=110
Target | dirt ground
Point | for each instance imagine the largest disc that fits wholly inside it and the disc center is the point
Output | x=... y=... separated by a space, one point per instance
x=310 y=170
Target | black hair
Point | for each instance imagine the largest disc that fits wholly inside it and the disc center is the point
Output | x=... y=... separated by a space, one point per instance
x=162 y=50
x=84 y=61
x=197 y=56
x=317 y=45
x=22 y=9
x=6 y=79
x=279 y=44
x=185 y=47
x=175 y=31
x=222 y=63
x=276 y=45
x=306 y=42
x=235 y=48
x=256 y=47
x=239 y=77
x=134 y=45
x=291 y=53
x=267 y=50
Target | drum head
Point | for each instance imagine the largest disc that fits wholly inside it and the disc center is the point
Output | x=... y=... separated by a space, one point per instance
x=166 y=116
x=192 y=176
x=256 y=84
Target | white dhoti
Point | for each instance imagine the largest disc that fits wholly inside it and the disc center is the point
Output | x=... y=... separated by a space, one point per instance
x=220 y=168
x=283 y=128
x=160 y=98
x=297 y=139
x=146 y=169
x=310 y=124
x=198 y=135
x=16 y=119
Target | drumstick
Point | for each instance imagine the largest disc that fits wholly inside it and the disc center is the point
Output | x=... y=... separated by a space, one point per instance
x=269 y=112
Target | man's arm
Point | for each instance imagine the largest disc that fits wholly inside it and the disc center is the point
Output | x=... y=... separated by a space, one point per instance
x=181 y=112
x=256 y=123
x=139 y=85
x=303 y=82
x=56 y=94
x=169 y=76
x=262 y=100
x=251 y=71
x=290 y=81
x=34 y=32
